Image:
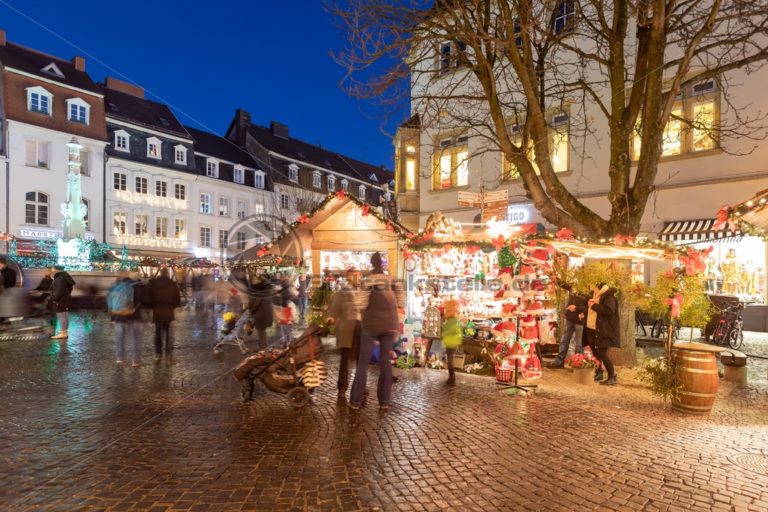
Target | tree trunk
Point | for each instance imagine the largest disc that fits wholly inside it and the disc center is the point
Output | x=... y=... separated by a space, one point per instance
x=627 y=354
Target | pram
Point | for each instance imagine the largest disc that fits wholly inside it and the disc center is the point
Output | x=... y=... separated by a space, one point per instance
x=293 y=370
x=233 y=332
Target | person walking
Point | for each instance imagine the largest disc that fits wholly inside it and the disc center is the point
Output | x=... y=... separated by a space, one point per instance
x=382 y=295
x=302 y=296
x=261 y=308
x=286 y=323
x=61 y=300
x=575 y=312
x=452 y=336
x=164 y=297
x=344 y=313
x=602 y=329
x=7 y=273
x=124 y=301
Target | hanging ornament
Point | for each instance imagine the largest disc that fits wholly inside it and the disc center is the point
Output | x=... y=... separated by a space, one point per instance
x=365 y=210
x=564 y=234
x=303 y=219
x=341 y=194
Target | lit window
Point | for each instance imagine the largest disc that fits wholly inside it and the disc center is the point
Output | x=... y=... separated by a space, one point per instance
x=258 y=208
x=558 y=146
x=671 y=142
x=122 y=140
x=564 y=17
x=120 y=181
x=317 y=180
x=141 y=225
x=141 y=185
x=410 y=174
x=119 y=223
x=205 y=237
x=180 y=229
x=181 y=154
x=242 y=209
x=344 y=185
x=451 y=164
x=361 y=192
x=37 y=154
x=36 y=208
x=78 y=111
x=161 y=227
x=180 y=192
x=224 y=207
x=240 y=241
x=331 y=183
x=258 y=180
x=161 y=188
x=239 y=175
x=284 y=201
x=39 y=100
x=153 y=147
x=212 y=169
x=205 y=203
x=703 y=119
x=293 y=173
x=223 y=238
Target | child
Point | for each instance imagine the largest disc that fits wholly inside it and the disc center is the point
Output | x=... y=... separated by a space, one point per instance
x=286 y=323
x=452 y=337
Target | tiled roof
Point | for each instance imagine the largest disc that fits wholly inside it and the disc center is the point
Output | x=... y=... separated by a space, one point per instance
x=33 y=62
x=142 y=111
x=316 y=155
x=218 y=147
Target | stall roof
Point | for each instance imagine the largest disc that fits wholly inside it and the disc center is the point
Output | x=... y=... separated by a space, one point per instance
x=694 y=231
x=754 y=211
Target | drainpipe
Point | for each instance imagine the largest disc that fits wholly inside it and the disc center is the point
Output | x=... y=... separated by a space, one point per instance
x=104 y=197
x=7 y=151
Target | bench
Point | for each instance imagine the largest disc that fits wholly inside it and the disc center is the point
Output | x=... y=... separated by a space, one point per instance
x=735 y=364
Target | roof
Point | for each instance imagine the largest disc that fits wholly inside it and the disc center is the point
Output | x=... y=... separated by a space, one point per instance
x=316 y=155
x=413 y=122
x=33 y=62
x=127 y=107
x=218 y=147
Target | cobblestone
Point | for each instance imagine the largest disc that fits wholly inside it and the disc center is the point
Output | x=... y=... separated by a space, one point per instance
x=77 y=433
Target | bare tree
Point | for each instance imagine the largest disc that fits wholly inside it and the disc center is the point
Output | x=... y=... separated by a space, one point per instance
x=501 y=68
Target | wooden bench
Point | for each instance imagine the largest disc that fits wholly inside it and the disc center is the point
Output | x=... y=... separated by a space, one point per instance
x=735 y=364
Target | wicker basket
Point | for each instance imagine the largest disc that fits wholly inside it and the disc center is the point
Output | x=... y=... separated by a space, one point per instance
x=504 y=375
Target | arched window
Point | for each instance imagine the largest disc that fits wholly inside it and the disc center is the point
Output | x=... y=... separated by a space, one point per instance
x=36 y=207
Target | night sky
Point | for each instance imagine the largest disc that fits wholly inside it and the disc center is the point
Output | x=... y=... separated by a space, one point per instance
x=206 y=59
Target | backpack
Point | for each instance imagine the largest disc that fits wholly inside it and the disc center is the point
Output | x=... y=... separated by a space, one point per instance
x=120 y=299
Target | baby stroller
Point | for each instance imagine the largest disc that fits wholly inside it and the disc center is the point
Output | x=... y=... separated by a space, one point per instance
x=233 y=332
x=293 y=370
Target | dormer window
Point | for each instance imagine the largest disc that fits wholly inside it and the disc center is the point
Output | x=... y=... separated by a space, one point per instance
x=373 y=178
x=53 y=69
x=317 y=180
x=344 y=185
x=239 y=175
x=122 y=140
x=180 y=152
x=361 y=192
x=293 y=173
x=39 y=100
x=78 y=111
x=212 y=168
x=153 y=147
x=258 y=179
x=331 y=183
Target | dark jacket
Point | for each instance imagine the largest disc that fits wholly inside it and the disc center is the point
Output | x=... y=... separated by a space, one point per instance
x=165 y=297
x=45 y=284
x=61 y=291
x=382 y=296
x=260 y=305
x=140 y=299
x=9 y=277
x=580 y=302
x=608 y=330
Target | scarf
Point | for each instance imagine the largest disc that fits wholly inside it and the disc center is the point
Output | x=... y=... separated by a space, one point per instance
x=592 y=314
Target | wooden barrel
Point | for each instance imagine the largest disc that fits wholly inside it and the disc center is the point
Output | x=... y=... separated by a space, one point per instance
x=698 y=373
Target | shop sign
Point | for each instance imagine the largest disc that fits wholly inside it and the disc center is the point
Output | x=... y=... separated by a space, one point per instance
x=518 y=214
x=46 y=234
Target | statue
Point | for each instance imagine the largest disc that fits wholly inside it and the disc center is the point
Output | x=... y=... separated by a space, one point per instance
x=73 y=209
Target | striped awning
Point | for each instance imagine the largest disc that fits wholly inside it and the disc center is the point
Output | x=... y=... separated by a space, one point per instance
x=692 y=231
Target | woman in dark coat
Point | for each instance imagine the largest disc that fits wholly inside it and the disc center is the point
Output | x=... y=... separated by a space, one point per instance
x=165 y=297
x=602 y=328
x=261 y=308
x=61 y=299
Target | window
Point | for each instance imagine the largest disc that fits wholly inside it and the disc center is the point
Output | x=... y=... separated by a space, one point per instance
x=86 y=205
x=180 y=229
x=361 y=192
x=451 y=164
x=141 y=185
x=693 y=122
x=317 y=180
x=37 y=154
x=122 y=140
x=153 y=147
x=78 y=111
x=212 y=169
x=181 y=154
x=142 y=225
x=161 y=227
x=120 y=181
x=564 y=17
x=293 y=173
x=410 y=168
x=242 y=209
x=85 y=161
x=119 y=223
x=180 y=192
x=258 y=180
x=205 y=203
x=344 y=185
x=205 y=237
x=223 y=238
x=161 y=188
x=224 y=207
x=558 y=146
x=36 y=208
x=39 y=100
x=258 y=208
x=240 y=241
x=451 y=55
x=239 y=175
x=331 y=183
x=285 y=202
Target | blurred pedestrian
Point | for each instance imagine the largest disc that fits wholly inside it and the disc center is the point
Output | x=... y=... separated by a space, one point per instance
x=124 y=301
x=7 y=273
x=602 y=329
x=46 y=283
x=234 y=302
x=164 y=297
x=452 y=335
x=302 y=296
x=344 y=312
x=61 y=299
x=261 y=308
x=286 y=323
x=382 y=295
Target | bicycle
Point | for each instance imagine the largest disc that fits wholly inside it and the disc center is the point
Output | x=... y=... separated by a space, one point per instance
x=730 y=328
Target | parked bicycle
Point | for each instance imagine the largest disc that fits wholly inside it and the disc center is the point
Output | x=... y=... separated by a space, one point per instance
x=730 y=328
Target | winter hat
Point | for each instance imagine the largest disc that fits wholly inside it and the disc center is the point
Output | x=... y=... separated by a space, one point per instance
x=528 y=321
x=516 y=351
x=536 y=308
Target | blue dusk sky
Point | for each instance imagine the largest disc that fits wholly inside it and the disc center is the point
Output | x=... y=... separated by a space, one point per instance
x=206 y=59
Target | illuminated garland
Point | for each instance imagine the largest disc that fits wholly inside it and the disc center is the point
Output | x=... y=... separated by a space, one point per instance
x=732 y=217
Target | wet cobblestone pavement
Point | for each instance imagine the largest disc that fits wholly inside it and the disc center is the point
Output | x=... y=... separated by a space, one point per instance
x=77 y=433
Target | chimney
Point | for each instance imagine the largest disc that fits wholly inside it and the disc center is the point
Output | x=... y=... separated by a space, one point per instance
x=2 y=37
x=278 y=129
x=119 y=85
x=79 y=63
x=242 y=120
